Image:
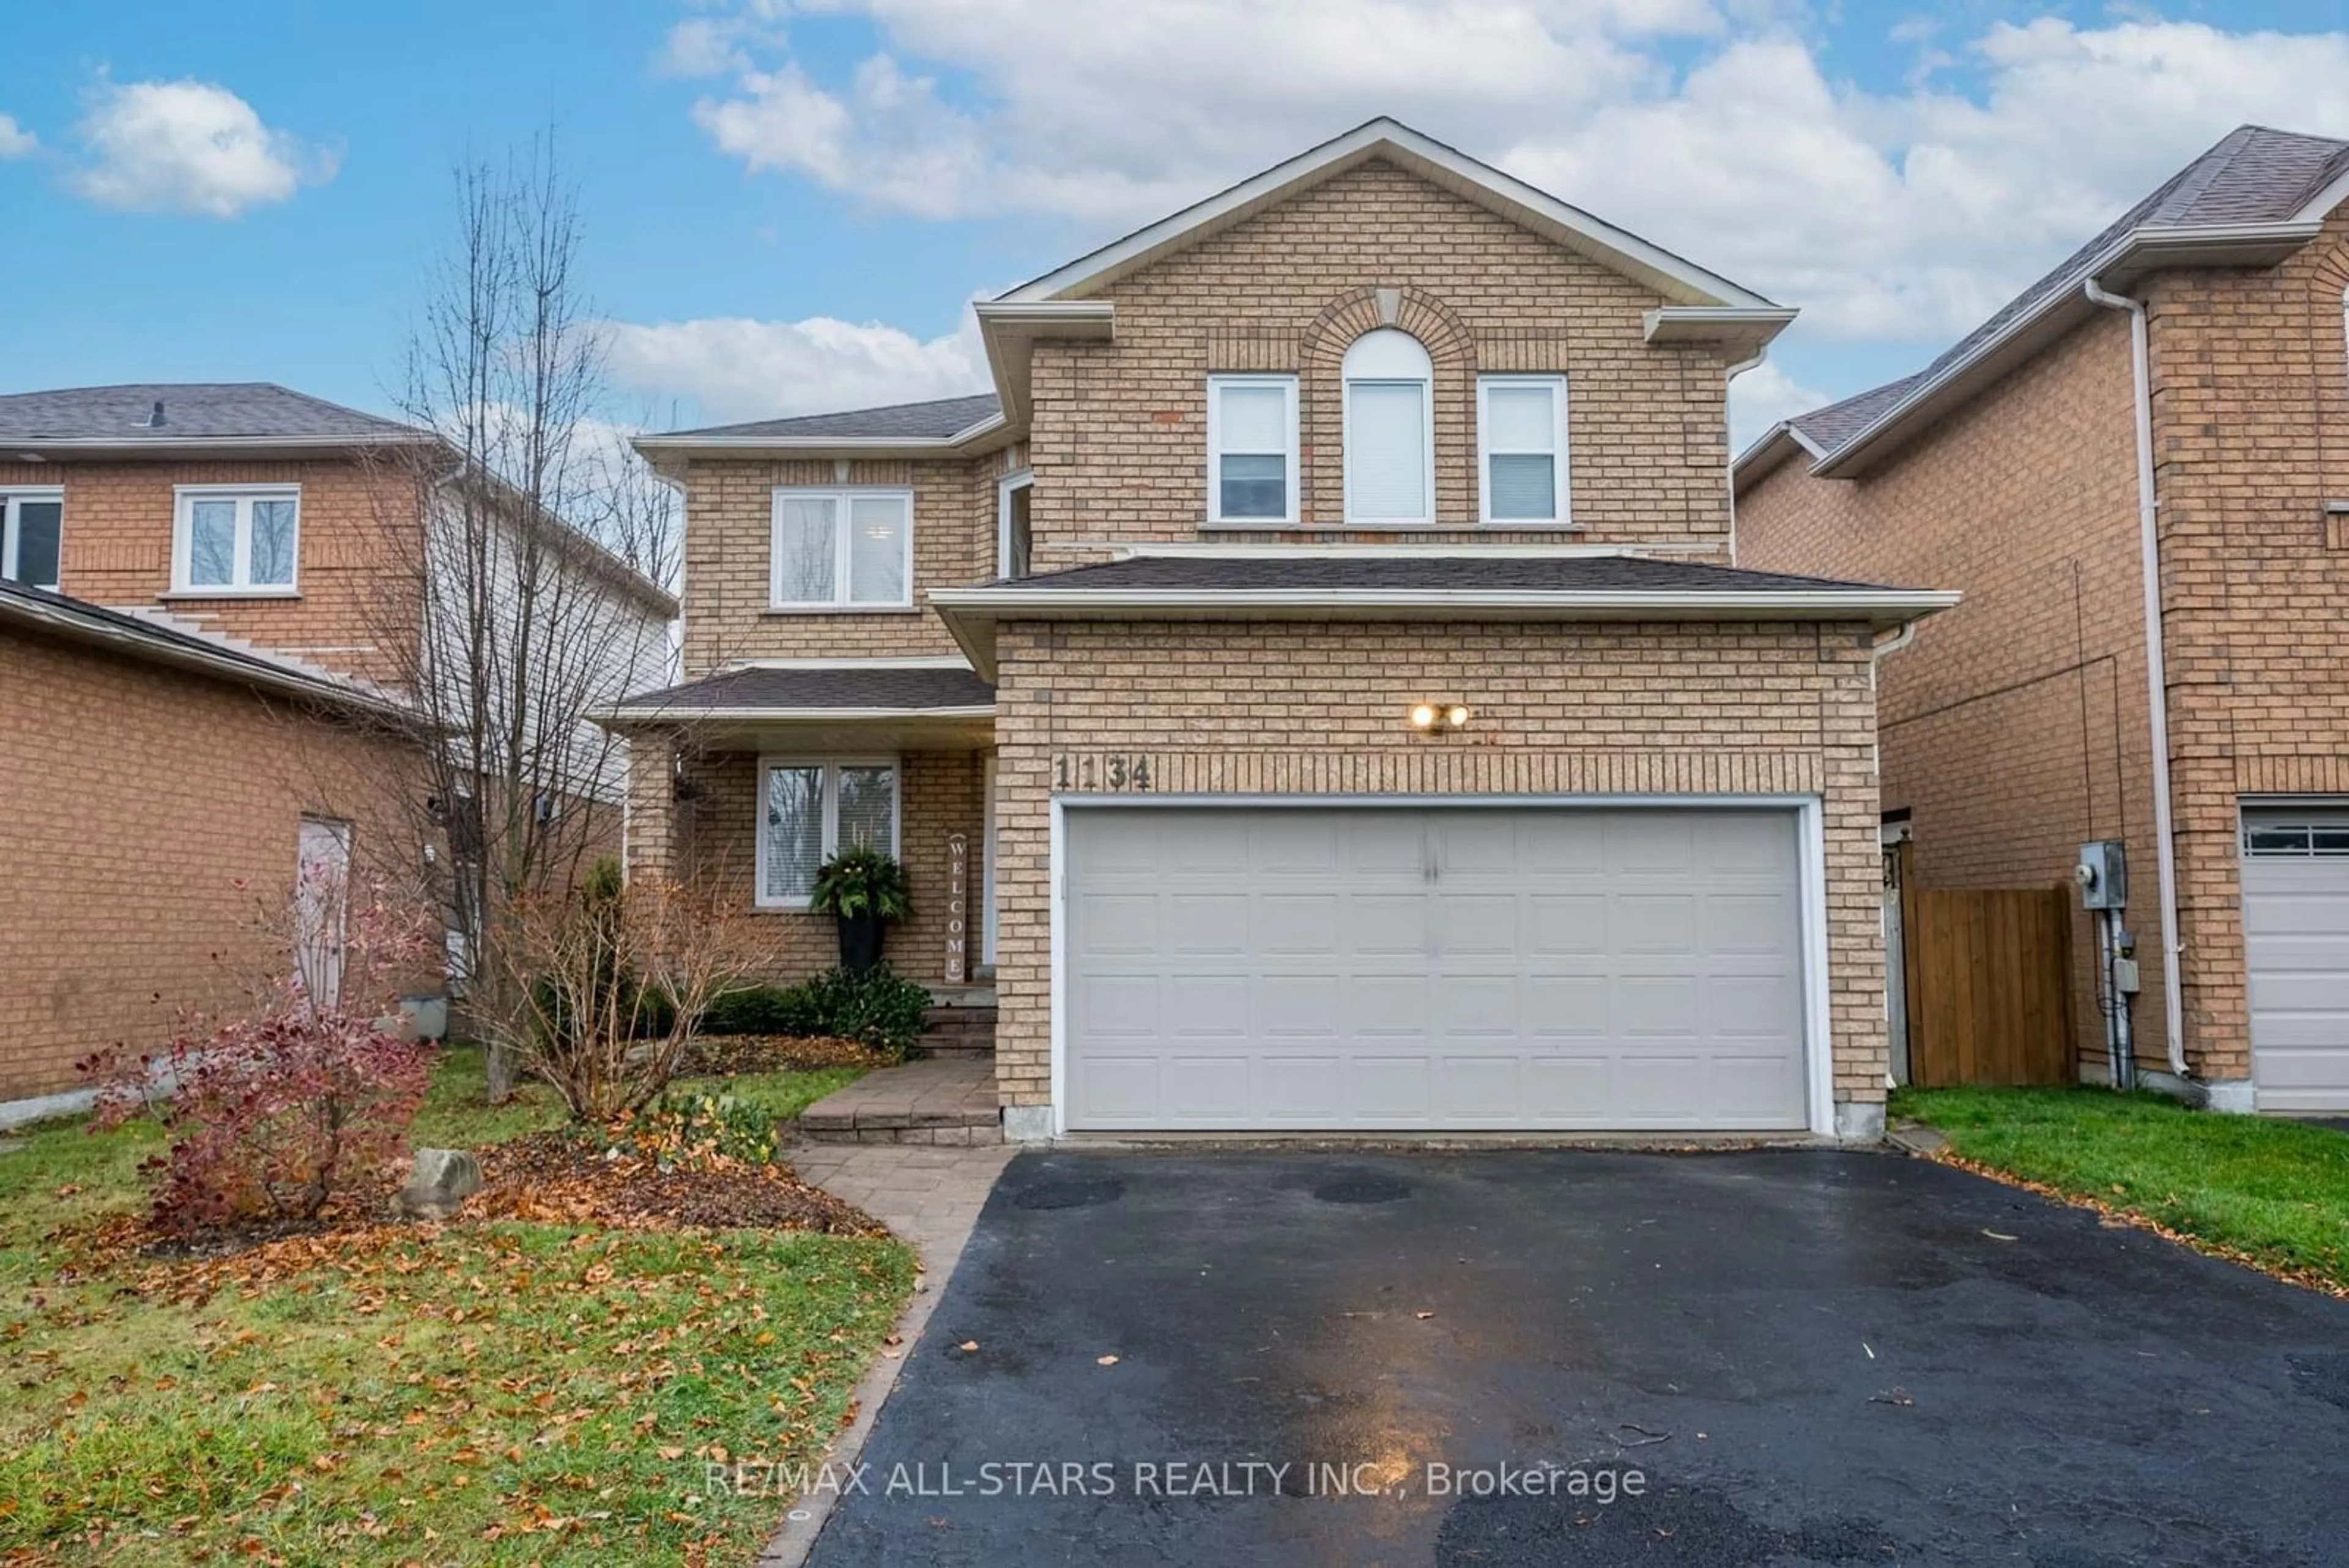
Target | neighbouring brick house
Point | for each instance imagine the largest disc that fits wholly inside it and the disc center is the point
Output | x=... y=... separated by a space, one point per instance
x=198 y=587
x=1315 y=686
x=2032 y=718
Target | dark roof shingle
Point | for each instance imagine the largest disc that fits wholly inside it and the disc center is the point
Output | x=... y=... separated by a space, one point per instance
x=2254 y=175
x=932 y=420
x=911 y=688
x=1340 y=570
x=192 y=410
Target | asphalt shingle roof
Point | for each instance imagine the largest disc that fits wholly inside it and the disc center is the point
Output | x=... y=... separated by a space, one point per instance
x=1340 y=570
x=192 y=410
x=932 y=420
x=2254 y=175
x=910 y=687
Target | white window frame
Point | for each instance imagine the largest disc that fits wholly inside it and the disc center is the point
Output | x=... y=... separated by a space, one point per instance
x=1561 y=492
x=1023 y=480
x=1426 y=385
x=828 y=844
x=841 y=495
x=9 y=539
x=1216 y=385
x=241 y=586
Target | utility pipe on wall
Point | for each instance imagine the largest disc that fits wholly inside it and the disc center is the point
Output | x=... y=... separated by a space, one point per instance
x=2156 y=677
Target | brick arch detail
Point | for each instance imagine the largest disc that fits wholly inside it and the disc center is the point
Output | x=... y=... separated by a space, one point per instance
x=1320 y=393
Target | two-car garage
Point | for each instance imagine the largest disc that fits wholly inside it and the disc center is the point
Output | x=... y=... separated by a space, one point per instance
x=1488 y=966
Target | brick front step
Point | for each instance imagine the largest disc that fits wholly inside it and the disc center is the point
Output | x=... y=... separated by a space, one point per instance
x=965 y=1030
x=943 y=1100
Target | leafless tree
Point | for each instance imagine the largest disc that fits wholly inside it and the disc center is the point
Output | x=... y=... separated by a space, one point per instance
x=513 y=608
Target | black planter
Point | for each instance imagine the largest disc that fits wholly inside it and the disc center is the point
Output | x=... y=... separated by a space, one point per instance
x=860 y=942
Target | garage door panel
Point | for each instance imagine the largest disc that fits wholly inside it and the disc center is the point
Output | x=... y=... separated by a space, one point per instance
x=1432 y=968
x=2296 y=963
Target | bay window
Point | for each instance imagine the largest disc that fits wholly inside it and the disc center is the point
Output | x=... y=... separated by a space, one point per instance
x=809 y=811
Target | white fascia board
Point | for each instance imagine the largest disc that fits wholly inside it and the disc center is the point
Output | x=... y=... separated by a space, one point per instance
x=689 y=713
x=2319 y=207
x=2135 y=252
x=1716 y=324
x=1675 y=276
x=972 y=614
x=1772 y=448
x=879 y=661
x=953 y=445
x=1663 y=549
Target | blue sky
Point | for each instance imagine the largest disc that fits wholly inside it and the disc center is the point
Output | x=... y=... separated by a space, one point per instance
x=787 y=206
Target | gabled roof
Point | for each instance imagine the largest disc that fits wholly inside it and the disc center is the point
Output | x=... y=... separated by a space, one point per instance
x=2252 y=199
x=1680 y=281
x=1698 y=305
x=191 y=413
x=158 y=639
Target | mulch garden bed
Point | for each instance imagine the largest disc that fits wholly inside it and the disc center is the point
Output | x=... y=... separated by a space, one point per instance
x=722 y=1055
x=561 y=1178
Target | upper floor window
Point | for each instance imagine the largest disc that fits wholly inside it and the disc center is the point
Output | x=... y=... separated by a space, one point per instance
x=1521 y=448
x=1252 y=449
x=844 y=547
x=235 y=539
x=1013 y=539
x=31 y=522
x=1389 y=429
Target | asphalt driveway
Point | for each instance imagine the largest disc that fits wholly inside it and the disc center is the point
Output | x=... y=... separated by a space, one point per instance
x=1803 y=1357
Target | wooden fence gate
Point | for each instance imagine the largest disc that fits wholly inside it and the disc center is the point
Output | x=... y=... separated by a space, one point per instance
x=1989 y=985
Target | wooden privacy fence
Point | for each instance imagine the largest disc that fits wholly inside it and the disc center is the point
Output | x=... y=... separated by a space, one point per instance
x=1989 y=972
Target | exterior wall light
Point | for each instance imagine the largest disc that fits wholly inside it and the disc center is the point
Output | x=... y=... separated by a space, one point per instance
x=1427 y=717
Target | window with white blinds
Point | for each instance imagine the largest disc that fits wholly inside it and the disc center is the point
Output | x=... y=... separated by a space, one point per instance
x=1521 y=448
x=809 y=811
x=1389 y=429
x=842 y=548
x=1252 y=449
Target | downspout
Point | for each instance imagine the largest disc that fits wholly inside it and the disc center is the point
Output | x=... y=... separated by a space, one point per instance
x=2155 y=677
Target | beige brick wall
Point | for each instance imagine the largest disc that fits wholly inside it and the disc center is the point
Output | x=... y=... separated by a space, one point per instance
x=1626 y=708
x=152 y=819
x=2013 y=727
x=714 y=833
x=1120 y=428
x=2027 y=500
x=116 y=549
x=730 y=508
x=2251 y=437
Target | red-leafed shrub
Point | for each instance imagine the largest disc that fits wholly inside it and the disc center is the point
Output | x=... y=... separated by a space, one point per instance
x=304 y=1097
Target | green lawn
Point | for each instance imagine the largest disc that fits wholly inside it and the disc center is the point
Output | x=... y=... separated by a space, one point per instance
x=480 y=1393
x=2275 y=1191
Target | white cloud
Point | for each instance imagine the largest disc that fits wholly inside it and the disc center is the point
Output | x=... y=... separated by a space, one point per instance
x=1761 y=397
x=1905 y=212
x=734 y=369
x=188 y=147
x=16 y=141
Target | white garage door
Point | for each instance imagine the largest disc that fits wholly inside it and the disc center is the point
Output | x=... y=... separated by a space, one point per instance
x=1299 y=968
x=2297 y=949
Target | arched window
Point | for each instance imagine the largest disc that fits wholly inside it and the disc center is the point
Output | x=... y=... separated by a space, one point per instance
x=1389 y=429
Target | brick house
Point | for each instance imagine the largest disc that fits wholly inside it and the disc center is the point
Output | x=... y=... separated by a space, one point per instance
x=2154 y=435
x=1314 y=686
x=195 y=600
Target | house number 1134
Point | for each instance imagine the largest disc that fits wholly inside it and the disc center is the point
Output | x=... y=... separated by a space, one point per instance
x=1090 y=772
